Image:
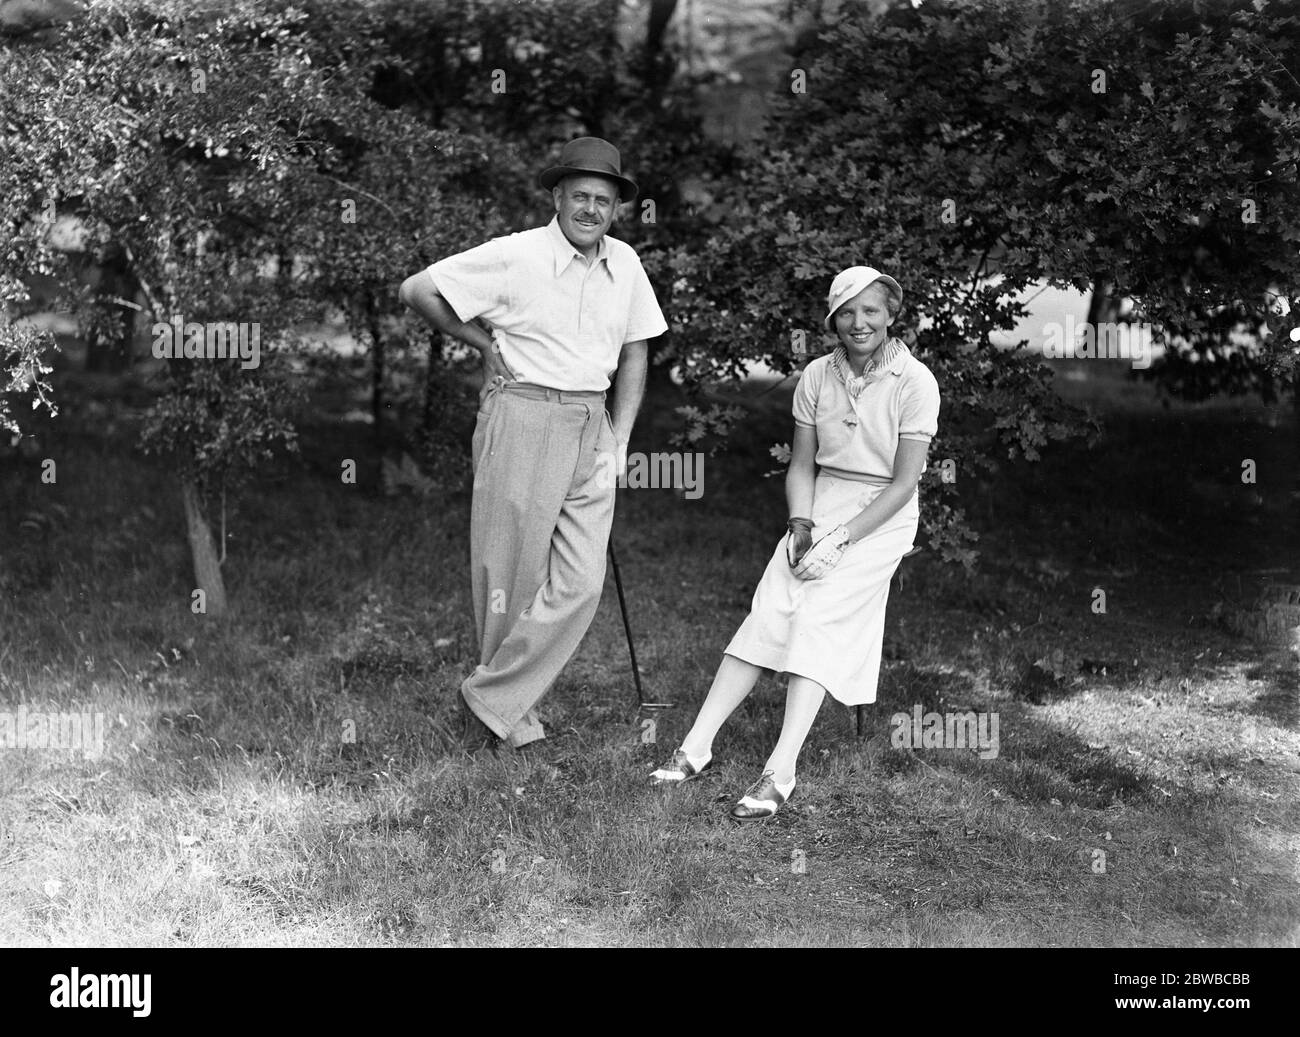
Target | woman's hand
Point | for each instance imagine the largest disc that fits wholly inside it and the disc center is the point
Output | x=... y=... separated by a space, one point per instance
x=799 y=540
x=824 y=555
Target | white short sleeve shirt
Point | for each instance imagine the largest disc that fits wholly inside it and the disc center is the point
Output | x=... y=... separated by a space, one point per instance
x=561 y=320
x=858 y=437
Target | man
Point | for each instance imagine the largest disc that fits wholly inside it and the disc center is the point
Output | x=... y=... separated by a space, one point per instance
x=567 y=305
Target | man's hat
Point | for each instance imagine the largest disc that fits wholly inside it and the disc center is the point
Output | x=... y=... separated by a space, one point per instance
x=593 y=156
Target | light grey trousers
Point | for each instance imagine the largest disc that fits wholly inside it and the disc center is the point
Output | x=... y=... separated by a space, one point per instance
x=539 y=527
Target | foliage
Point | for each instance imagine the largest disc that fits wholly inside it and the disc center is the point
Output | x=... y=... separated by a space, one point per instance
x=438 y=161
x=335 y=148
x=22 y=359
x=242 y=181
x=961 y=147
x=139 y=124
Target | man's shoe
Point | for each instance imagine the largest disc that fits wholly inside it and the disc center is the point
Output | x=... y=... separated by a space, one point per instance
x=679 y=769
x=529 y=733
x=762 y=799
x=475 y=735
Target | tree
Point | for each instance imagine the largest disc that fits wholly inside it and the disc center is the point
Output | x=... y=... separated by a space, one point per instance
x=140 y=122
x=244 y=183
x=515 y=80
x=966 y=149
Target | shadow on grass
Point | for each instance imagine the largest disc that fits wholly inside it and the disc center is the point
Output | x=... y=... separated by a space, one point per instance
x=1037 y=762
x=336 y=678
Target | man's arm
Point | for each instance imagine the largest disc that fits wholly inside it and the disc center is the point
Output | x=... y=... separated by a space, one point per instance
x=629 y=389
x=418 y=292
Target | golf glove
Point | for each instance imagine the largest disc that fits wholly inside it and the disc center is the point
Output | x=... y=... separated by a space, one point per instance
x=824 y=555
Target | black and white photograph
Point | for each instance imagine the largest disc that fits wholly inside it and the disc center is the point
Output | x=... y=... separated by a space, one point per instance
x=650 y=474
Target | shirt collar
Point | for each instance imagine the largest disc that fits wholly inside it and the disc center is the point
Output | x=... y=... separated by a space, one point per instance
x=565 y=252
x=891 y=358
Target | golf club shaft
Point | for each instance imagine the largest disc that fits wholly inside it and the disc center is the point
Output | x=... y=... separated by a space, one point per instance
x=627 y=625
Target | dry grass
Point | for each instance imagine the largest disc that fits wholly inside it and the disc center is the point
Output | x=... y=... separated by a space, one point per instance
x=228 y=809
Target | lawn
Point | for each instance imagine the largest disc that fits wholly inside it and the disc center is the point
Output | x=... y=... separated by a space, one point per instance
x=286 y=776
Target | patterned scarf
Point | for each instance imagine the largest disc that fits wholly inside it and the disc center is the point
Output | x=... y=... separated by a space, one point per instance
x=885 y=356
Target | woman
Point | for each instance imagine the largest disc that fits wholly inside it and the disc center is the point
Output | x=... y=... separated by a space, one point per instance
x=864 y=417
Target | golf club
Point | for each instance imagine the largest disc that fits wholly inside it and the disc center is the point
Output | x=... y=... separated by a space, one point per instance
x=627 y=629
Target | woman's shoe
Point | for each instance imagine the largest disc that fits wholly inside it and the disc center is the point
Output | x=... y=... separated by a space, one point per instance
x=679 y=769
x=762 y=799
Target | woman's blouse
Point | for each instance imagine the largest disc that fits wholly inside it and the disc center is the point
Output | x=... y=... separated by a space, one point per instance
x=859 y=421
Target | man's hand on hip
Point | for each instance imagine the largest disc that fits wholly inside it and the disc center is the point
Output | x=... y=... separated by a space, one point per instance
x=494 y=366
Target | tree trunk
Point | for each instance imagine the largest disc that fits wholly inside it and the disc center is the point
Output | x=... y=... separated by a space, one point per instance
x=657 y=67
x=433 y=391
x=659 y=384
x=1096 y=301
x=605 y=95
x=284 y=269
x=377 y=367
x=203 y=550
x=109 y=344
x=1100 y=304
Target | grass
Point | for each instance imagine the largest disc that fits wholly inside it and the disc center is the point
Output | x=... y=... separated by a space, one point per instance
x=229 y=809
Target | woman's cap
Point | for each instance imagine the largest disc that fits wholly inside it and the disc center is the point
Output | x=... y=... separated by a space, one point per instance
x=848 y=283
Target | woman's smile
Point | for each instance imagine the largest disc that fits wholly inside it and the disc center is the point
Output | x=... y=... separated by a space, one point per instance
x=862 y=324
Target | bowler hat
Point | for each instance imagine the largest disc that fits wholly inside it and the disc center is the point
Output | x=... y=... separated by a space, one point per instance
x=592 y=156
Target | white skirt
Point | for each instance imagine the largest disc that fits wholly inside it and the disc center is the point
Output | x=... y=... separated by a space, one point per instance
x=830 y=630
